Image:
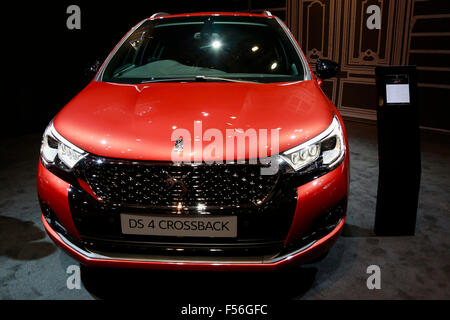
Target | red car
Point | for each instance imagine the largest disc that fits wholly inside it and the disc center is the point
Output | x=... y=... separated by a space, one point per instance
x=111 y=193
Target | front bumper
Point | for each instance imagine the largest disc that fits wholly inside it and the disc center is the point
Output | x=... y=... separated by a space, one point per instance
x=313 y=199
x=94 y=259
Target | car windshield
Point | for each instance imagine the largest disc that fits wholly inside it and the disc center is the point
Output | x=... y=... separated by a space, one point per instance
x=206 y=48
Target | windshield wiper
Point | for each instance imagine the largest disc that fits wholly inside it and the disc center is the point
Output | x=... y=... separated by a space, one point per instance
x=206 y=78
x=197 y=79
x=168 y=80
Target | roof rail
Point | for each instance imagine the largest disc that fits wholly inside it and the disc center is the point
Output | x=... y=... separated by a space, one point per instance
x=267 y=13
x=159 y=14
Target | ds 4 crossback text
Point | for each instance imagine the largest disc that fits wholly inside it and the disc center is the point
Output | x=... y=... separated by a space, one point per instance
x=112 y=195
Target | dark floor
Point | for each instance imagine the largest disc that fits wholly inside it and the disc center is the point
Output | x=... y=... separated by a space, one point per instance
x=411 y=267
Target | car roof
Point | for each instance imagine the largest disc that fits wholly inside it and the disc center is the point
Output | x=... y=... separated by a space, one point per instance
x=194 y=14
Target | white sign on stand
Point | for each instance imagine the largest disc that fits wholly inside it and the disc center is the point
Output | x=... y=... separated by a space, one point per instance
x=397 y=93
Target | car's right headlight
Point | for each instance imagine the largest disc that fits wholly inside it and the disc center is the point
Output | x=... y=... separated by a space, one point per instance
x=58 y=151
x=326 y=150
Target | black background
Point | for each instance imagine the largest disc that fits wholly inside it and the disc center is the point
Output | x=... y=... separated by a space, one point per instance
x=44 y=62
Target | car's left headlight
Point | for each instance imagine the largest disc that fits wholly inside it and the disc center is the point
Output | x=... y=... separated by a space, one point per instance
x=327 y=150
x=58 y=151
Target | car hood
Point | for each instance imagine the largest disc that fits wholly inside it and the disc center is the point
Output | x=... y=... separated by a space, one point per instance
x=137 y=121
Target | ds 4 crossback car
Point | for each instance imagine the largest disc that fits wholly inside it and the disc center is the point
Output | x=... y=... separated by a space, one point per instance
x=111 y=193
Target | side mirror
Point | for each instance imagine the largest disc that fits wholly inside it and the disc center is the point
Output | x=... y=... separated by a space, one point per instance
x=326 y=69
x=92 y=70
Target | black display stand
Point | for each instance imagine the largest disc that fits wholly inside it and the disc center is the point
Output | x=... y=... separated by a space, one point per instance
x=398 y=151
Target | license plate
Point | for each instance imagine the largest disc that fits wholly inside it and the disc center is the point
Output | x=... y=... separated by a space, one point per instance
x=178 y=226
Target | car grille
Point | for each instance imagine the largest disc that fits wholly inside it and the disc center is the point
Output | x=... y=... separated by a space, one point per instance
x=141 y=184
